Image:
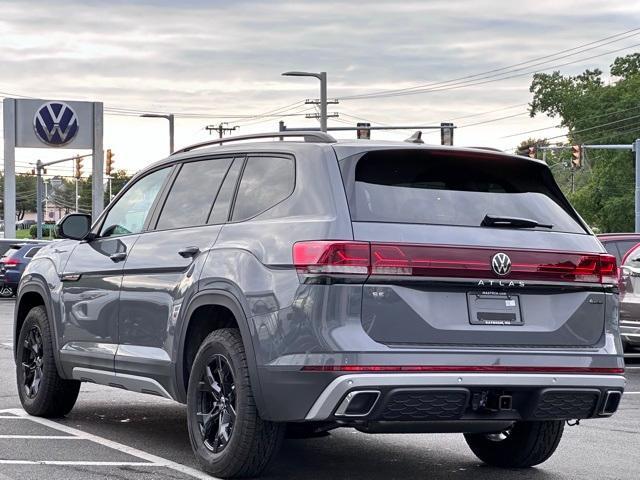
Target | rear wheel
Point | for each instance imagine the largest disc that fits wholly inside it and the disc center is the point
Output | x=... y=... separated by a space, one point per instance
x=42 y=391
x=523 y=445
x=227 y=434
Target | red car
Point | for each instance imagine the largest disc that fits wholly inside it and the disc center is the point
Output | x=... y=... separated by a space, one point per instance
x=626 y=248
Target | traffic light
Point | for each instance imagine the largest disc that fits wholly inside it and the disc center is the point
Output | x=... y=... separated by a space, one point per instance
x=532 y=151
x=78 y=167
x=576 y=156
x=364 y=133
x=109 y=166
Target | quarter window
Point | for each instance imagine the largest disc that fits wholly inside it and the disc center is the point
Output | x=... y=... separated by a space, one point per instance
x=192 y=194
x=129 y=213
x=265 y=182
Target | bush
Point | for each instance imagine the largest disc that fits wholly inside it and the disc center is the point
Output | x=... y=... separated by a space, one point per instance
x=48 y=231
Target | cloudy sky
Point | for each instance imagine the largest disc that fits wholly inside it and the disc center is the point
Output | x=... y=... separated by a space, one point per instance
x=214 y=61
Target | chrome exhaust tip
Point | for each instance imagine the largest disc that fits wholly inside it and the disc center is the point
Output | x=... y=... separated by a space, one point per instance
x=358 y=403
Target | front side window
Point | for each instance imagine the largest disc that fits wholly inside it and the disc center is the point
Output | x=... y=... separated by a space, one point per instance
x=192 y=194
x=128 y=214
x=265 y=182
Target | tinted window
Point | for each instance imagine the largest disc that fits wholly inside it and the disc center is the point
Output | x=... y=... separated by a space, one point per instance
x=129 y=213
x=32 y=252
x=625 y=246
x=192 y=194
x=265 y=182
x=612 y=249
x=438 y=187
x=220 y=212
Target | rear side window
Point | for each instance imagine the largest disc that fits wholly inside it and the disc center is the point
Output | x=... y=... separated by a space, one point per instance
x=445 y=188
x=624 y=247
x=32 y=252
x=612 y=249
x=265 y=182
x=193 y=193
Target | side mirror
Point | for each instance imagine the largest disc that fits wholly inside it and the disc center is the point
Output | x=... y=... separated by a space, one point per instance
x=75 y=226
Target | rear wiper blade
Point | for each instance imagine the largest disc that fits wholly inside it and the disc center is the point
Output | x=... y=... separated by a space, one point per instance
x=511 y=222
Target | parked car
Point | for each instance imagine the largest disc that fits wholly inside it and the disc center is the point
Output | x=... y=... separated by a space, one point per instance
x=630 y=299
x=13 y=263
x=25 y=224
x=618 y=244
x=384 y=286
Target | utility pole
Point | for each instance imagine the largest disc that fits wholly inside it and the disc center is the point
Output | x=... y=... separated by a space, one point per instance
x=39 y=169
x=322 y=76
x=220 y=128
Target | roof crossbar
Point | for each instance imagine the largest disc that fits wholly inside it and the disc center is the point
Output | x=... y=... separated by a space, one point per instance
x=318 y=137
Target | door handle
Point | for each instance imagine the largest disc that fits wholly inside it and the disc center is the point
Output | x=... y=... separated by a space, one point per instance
x=188 y=252
x=118 y=257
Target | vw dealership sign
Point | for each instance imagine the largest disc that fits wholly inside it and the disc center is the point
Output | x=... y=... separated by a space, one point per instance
x=55 y=123
x=33 y=123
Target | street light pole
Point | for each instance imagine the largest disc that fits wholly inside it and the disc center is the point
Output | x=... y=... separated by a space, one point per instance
x=322 y=76
x=170 y=118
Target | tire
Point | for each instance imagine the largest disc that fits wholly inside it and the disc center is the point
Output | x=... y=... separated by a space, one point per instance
x=43 y=393
x=524 y=445
x=220 y=404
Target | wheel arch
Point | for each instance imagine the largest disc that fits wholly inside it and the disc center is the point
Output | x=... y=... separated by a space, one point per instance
x=30 y=295
x=223 y=299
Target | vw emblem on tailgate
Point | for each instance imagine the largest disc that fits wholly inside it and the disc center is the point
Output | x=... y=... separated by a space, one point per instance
x=501 y=263
x=55 y=123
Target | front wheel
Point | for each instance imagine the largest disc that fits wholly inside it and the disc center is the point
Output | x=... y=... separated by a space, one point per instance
x=523 y=445
x=42 y=391
x=227 y=434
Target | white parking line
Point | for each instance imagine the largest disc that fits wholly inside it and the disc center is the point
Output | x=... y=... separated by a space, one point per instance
x=154 y=460
x=39 y=437
x=65 y=462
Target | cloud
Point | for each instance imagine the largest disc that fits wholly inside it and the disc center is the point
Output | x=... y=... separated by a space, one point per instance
x=226 y=57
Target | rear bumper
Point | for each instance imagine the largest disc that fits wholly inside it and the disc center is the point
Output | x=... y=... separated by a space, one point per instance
x=438 y=397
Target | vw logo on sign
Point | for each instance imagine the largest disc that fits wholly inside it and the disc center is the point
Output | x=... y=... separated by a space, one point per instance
x=55 y=123
x=501 y=264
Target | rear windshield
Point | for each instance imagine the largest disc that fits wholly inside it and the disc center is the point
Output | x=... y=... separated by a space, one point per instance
x=12 y=249
x=445 y=188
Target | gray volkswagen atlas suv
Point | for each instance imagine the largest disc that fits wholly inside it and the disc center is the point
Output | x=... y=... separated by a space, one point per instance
x=289 y=280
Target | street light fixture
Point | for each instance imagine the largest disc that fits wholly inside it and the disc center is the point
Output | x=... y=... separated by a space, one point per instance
x=322 y=76
x=168 y=117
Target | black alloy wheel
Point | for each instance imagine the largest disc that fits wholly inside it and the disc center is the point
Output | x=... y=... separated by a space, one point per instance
x=216 y=411
x=32 y=362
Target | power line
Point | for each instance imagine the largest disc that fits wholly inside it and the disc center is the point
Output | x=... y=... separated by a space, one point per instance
x=486 y=74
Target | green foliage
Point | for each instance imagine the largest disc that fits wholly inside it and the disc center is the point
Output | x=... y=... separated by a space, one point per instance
x=596 y=113
x=48 y=231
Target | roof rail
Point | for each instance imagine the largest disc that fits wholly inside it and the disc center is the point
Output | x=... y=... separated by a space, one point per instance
x=319 y=137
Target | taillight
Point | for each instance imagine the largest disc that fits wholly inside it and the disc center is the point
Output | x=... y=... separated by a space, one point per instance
x=442 y=261
x=608 y=269
x=11 y=262
x=323 y=257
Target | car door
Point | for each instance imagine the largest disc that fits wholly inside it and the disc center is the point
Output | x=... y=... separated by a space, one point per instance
x=162 y=270
x=91 y=278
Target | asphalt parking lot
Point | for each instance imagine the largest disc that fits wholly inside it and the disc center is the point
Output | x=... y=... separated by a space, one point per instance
x=113 y=434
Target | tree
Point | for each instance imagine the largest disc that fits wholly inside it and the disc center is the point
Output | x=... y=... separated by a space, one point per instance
x=596 y=113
